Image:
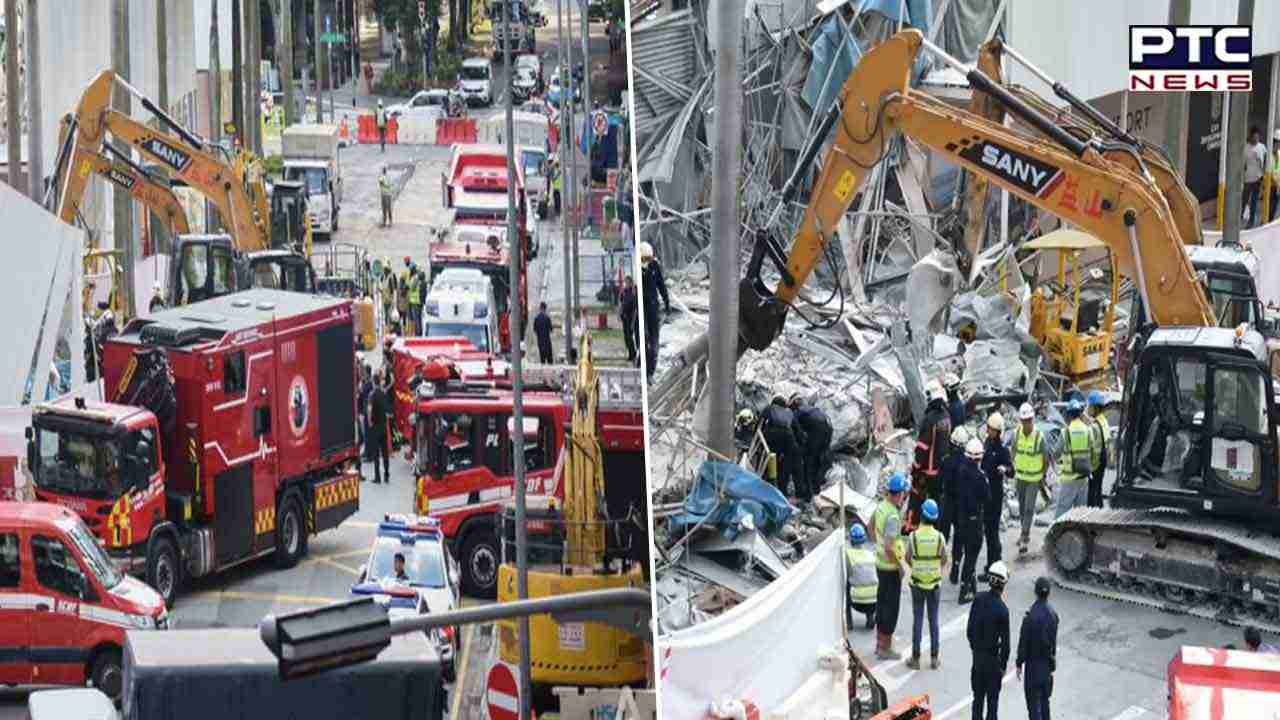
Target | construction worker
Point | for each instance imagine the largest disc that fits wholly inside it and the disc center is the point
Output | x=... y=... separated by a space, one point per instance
x=816 y=430
x=955 y=406
x=927 y=556
x=1076 y=462
x=744 y=428
x=1038 y=652
x=380 y=117
x=386 y=190
x=157 y=298
x=785 y=441
x=402 y=299
x=971 y=495
x=557 y=183
x=388 y=291
x=886 y=533
x=988 y=634
x=863 y=582
x=931 y=449
x=653 y=287
x=947 y=483
x=997 y=464
x=1098 y=446
x=1030 y=461
x=415 y=301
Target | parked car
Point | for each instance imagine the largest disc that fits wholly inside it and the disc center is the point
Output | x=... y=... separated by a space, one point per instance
x=429 y=103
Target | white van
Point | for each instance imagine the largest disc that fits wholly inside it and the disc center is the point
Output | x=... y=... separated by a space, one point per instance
x=475 y=81
x=461 y=303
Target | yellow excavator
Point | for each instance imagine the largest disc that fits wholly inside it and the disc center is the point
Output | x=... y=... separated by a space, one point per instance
x=205 y=265
x=1193 y=513
x=589 y=653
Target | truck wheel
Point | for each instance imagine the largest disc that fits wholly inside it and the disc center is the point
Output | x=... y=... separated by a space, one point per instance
x=164 y=573
x=291 y=534
x=480 y=559
x=107 y=675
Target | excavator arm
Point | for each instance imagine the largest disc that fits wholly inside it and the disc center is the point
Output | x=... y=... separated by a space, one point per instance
x=157 y=197
x=233 y=187
x=584 y=472
x=1067 y=177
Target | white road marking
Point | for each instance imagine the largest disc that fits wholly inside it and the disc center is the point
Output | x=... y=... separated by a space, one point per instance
x=969 y=700
x=1131 y=712
x=953 y=627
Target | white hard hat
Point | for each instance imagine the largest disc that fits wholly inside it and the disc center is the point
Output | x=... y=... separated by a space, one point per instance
x=646 y=252
x=960 y=436
x=974 y=449
x=951 y=380
x=156 y=286
x=995 y=421
x=1026 y=412
x=998 y=573
x=933 y=390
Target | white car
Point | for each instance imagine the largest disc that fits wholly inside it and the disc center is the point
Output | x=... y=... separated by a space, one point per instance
x=426 y=103
x=475 y=81
x=524 y=84
x=534 y=64
x=462 y=304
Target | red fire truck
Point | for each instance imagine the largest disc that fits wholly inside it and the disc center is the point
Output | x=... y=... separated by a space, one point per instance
x=410 y=356
x=475 y=188
x=462 y=449
x=228 y=433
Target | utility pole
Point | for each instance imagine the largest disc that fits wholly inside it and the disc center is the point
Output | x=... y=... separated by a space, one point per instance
x=253 y=83
x=722 y=361
x=1178 y=104
x=122 y=217
x=35 y=133
x=158 y=230
x=566 y=186
x=572 y=191
x=284 y=60
x=1233 y=144
x=318 y=27
x=517 y=382
x=215 y=103
x=583 y=184
x=237 y=72
x=13 y=91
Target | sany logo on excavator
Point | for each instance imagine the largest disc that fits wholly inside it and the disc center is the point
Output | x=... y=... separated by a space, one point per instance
x=124 y=180
x=172 y=156
x=1027 y=173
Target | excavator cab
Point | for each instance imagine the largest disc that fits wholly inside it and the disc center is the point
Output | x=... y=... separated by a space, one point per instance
x=290 y=223
x=1075 y=331
x=281 y=270
x=206 y=266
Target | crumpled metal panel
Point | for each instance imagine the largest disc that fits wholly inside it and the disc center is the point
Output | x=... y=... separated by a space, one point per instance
x=659 y=162
x=665 y=66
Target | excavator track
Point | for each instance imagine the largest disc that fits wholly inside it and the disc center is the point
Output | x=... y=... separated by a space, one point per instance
x=1171 y=560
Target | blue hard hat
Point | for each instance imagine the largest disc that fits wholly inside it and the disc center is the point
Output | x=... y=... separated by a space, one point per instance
x=930 y=510
x=1075 y=407
x=1075 y=395
x=898 y=482
x=857 y=535
x=1095 y=398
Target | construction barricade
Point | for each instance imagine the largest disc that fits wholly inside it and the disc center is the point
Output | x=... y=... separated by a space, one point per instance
x=393 y=128
x=366 y=130
x=456 y=130
x=416 y=131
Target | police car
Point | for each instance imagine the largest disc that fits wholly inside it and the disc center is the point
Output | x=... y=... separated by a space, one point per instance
x=430 y=577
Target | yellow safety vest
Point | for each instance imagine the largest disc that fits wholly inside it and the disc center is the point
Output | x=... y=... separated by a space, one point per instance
x=1101 y=438
x=879 y=519
x=1028 y=460
x=926 y=557
x=863 y=581
x=415 y=290
x=1078 y=437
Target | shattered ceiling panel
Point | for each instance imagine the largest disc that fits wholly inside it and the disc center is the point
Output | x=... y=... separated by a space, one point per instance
x=664 y=60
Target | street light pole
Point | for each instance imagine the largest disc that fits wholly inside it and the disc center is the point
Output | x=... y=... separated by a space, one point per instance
x=566 y=186
x=517 y=374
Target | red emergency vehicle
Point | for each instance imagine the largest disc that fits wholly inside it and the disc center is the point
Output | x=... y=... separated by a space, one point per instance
x=1216 y=684
x=462 y=447
x=64 y=607
x=409 y=356
x=475 y=188
x=229 y=433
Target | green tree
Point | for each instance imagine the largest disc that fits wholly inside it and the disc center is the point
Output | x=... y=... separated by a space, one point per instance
x=402 y=15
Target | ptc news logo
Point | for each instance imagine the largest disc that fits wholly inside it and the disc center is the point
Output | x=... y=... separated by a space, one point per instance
x=1206 y=58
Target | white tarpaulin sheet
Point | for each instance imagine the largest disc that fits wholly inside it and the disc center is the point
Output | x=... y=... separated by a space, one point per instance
x=1265 y=243
x=737 y=654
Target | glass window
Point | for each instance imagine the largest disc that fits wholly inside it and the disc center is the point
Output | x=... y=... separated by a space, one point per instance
x=477 y=335
x=78 y=464
x=10 y=561
x=233 y=373
x=423 y=561
x=96 y=558
x=539 y=441
x=56 y=567
x=1239 y=403
x=454 y=441
x=222 y=271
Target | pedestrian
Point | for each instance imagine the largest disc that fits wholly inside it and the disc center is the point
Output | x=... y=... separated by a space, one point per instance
x=380 y=117
x=1274 y=162
x=997 y=464
x=388 y=288
x=778 y=423
x=1255 y=163
x=542 y=331
x=628 y=317
x=362 y=402
x=423 y=289
x=157 y=298
x=1253 y=642
x=863 y=582
x=972 y=491
x=886 y=533
x=947 y=491
x=815 y=428
x=379 y=419
x=653 y=289
x=956 y=409
x=931 y=449
x=415 y=301
x=1076 y=461
x=1098 y=445
x=557 y=183
x=402 y=299
x=386 y=190
x=1038 y=652
x=988 y=634
x=1030 y=461
x=927 y=556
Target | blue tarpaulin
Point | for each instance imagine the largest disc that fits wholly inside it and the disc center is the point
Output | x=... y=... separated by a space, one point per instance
x=724 y=494
x=835 y=52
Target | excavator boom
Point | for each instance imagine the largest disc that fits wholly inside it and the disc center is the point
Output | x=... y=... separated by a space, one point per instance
x=155 y=196
x=584 y=471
